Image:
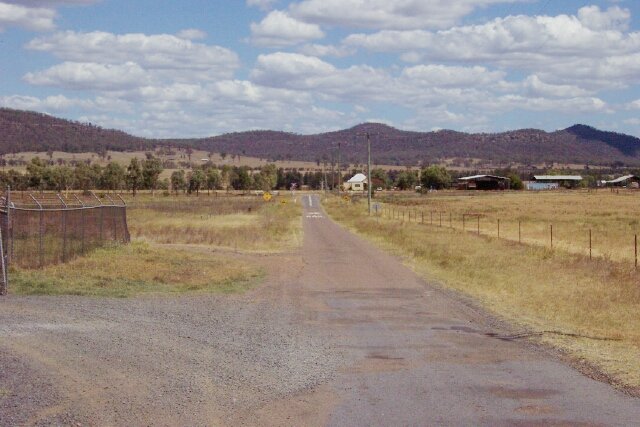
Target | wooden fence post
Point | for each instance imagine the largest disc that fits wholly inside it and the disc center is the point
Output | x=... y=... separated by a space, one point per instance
x=520 y=231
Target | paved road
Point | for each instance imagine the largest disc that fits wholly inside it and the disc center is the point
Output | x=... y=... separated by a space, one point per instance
x=340 y=334
x=419 y=357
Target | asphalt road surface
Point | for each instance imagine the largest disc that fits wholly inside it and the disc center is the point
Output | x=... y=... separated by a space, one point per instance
x=340 y=334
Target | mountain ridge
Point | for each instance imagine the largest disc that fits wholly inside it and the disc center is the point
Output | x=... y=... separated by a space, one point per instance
x=579 y=144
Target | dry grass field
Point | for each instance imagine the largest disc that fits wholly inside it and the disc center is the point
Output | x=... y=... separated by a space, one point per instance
x=588 y=308
x=136 y=269
x=612 y=217
x=198 y=157
x=244 y=223
x=173 y=238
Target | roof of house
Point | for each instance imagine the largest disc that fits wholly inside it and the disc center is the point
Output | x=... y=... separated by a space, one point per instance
x=621 y=179
x=557 y=177
x=474 y=177
x=359 y=177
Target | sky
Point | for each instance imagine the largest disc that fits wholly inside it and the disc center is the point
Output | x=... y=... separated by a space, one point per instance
x=196 y=68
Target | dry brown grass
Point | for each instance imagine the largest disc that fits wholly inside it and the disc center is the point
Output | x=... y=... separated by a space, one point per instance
x=149 y=265
x=611 y=217
x=239 y=223
x=532 y=286
x=139 y=268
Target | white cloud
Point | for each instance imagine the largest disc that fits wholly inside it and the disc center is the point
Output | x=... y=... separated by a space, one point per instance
x=192 y=34
x=590 y=47
x=536 y=87
x=421 y=87
x=37 y=19
x=279 y=29
x=36 y=15
x=614 y=18
x=634 y=105
x=451 y=76
x=89 y=76
x=326 y=50
x=262 y=4
x=157 y=52
x=387 y=14
x=56 y=103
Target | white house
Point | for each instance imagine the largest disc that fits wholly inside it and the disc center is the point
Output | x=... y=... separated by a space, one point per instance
x=357 y=183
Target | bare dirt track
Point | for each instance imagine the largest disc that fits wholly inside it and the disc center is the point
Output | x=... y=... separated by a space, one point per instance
x=340 y=334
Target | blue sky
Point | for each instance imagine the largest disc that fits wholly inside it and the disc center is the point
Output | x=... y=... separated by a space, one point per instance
x=192 y=68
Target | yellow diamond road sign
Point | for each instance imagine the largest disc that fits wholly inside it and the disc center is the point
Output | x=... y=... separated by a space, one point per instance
x=266 y=197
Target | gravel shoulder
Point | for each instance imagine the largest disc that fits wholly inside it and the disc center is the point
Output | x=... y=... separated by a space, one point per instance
x=192 y=360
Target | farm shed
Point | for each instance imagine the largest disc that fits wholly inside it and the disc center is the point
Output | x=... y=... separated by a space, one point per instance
x=357 y=183
x=631 y=181
x=484 y=182
x=546 y=182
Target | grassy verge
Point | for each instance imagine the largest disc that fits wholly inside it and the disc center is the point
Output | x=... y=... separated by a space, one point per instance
x=257 y=226
x=534 y=287
x=139 y=268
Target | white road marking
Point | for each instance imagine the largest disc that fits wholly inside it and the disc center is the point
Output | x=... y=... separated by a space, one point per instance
x=314 y=215
x=310 y=202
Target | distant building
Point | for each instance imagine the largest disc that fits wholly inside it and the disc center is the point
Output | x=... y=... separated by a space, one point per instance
x=484 y=182
x=551 y=182
x=357 y=183
x=630 y=181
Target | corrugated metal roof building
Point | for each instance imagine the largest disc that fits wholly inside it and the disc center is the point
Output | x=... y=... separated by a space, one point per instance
x=624 y=181
x=556 y=181
x=484 y=182
x=357 y=183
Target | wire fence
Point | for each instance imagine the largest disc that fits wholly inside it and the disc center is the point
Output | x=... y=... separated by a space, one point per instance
x=579 y=242
x=40 y=229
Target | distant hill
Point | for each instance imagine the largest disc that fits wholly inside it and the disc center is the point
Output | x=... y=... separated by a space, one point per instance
x=579 y=144
x=29 y=131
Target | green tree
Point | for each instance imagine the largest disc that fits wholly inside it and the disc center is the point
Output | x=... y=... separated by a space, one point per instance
x=435 y=176
x=214 y=180
x=269 y=177
x=242 y=179
x=516 y=182
x=36 y=170
x=225 y=176
x=197 y=180
x=134 y=175
x=381 y=175
x=178 y=181
x=151 y=170
x=407 y=180
x=62 y=177
x=113 y=176
x=84 y=177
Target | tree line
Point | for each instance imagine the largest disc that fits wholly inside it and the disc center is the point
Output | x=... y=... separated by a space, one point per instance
x=145 y=174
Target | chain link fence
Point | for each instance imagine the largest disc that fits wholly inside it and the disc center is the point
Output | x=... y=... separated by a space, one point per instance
x=40 y=229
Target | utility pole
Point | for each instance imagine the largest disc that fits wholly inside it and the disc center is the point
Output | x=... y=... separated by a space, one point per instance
x=339 y=172
x=369 y=173
x=368 y=170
